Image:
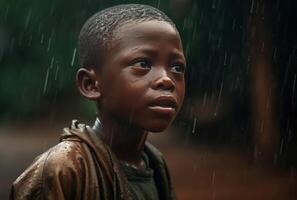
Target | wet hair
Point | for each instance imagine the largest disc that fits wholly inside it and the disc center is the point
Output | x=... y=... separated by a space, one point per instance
x=98 y=31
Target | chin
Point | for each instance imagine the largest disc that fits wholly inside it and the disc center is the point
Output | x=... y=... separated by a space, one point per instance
x=158 y=127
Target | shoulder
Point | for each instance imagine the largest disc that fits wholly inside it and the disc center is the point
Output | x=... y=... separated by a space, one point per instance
x=58 y=165
x=64 y=155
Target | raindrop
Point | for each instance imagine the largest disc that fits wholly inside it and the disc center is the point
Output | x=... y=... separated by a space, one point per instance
x=73 y=57
x=56 y=74
x=46 y=80
x=281 y=147
x=233 y=24
x=213 y=6
x=268 y=101
x=225 y=59
x=231 y=60
x=263 y=11
x=219 y=97
x=6 y=13
x=204 y=99
x=252 y=7
x=194 y=32
x=52 y=62
x=213 y=178
x=201 y=18
x=289 y=134
x=194 y=125
x=52 y=9
x=158 y=4
x=28 y=18
x=274 y=53
x=49 y=43
x=257 y=7
x=286 y=74
x=187 y=50
x=42 y=38
x=185 y=24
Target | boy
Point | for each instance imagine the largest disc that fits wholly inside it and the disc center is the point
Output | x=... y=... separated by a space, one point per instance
x=132 y=66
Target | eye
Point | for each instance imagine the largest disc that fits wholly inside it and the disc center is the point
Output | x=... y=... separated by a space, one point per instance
x=142 y=64
x=178 y=68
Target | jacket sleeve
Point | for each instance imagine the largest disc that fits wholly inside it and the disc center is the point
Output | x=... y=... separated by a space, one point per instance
x=56 y=174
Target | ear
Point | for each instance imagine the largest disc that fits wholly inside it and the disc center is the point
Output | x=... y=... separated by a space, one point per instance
x=88 y=83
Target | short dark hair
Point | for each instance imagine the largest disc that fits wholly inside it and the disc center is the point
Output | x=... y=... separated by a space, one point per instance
x=98 y=30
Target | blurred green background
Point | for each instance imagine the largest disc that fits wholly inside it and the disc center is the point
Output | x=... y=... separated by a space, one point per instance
x=39 y=40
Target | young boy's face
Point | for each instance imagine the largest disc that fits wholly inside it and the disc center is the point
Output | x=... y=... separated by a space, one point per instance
x=142 y=77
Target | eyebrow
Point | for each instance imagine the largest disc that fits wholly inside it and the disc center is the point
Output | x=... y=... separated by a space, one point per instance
x=177 y=54
x=151 y=52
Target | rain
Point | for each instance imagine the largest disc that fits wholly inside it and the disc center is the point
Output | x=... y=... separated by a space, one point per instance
x=235 y=136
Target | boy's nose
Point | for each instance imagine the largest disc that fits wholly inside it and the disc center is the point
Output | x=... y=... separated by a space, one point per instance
x=163 y=81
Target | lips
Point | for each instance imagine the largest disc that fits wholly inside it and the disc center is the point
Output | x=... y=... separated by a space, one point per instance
x=164 y=105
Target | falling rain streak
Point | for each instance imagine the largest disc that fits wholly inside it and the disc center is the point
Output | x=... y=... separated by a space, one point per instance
x=49 y=44
x=194 y=125
x=46 y=80
x=73 y=57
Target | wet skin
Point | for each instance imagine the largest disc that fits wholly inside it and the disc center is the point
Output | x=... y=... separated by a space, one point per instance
x=142 y=85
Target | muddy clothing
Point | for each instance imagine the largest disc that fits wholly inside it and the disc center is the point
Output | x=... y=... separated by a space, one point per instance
x=81 y=166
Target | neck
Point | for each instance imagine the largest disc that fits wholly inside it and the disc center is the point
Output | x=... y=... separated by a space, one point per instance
x=126 y=141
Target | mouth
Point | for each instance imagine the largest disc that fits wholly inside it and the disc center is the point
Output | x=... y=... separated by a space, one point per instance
x=166 y=105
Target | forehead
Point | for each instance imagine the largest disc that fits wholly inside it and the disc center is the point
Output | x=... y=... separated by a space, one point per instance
x=146 y=33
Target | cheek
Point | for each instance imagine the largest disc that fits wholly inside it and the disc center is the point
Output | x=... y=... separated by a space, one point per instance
x=127 y=94
x=180 y=90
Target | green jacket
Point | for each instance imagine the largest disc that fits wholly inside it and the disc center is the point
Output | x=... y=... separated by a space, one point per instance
x=81 y=166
